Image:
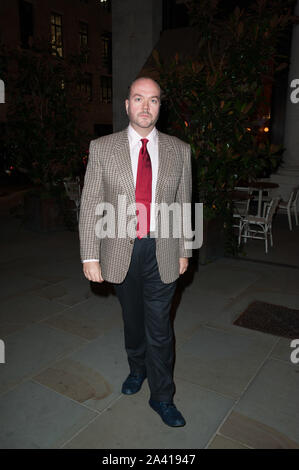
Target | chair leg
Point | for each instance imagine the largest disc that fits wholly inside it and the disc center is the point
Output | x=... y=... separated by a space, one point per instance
x=240 y=233
x=270 y=233
x=290 y=219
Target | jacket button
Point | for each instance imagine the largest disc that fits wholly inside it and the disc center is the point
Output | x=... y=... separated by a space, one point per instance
x=131 y=241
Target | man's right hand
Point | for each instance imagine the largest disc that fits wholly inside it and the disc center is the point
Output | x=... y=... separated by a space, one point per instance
x=92 y=271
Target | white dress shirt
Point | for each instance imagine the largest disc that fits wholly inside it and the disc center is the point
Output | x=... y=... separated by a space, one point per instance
x=135 y=145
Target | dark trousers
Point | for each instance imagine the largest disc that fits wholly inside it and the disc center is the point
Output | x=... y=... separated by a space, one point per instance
x=146 y=302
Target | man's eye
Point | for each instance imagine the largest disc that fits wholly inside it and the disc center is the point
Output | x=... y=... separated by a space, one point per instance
x=155 y=101
x=137 y=99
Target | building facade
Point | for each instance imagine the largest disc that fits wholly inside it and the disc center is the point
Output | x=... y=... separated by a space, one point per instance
x=71 y=27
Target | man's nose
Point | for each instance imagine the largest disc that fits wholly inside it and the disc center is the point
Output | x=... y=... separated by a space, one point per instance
x=145 y=105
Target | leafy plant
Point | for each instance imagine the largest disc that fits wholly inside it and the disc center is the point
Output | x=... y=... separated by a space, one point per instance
x=217 y=100
x=44 y=139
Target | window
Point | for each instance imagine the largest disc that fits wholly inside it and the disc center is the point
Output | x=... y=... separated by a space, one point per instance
x=86 y=86
x=56 y=34
x=26 y=22
x=83 y=39
x=83 y=34
x=106 y=89
x=107 y=51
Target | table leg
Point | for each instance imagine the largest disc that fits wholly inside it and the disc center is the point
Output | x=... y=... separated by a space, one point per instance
x=259 y=207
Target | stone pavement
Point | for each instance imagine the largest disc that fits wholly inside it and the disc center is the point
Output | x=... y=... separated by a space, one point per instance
x=65 y=359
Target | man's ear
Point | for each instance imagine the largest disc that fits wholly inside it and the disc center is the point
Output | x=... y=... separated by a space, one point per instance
x=127 y=105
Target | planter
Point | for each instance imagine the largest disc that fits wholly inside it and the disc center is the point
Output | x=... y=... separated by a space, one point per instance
x=42 y=214
x=213 y=246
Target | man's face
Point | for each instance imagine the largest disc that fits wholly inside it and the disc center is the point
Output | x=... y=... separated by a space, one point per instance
x=143 y=105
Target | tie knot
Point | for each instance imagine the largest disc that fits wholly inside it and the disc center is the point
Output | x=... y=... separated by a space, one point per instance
x=144 y=142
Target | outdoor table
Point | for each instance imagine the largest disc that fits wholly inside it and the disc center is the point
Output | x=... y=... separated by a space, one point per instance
x=261 y=186
x=239 y=195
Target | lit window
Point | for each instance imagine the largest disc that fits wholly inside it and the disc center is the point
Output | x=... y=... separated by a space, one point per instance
x=85 y=86
x=83 y=34
x=83 y=39
x=106 y=89
x=56 y=34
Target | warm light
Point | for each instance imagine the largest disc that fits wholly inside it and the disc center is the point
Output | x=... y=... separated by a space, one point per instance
x=248 y=129
x=186 y=124
x=266 y=129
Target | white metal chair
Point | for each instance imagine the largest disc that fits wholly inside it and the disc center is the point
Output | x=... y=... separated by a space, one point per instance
x=73 y=191
x=241 y=207
x=286 y=206
x=294 y=205
x=259 y=228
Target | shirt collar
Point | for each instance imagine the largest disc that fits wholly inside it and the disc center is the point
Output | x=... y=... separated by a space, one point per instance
x=134 y=137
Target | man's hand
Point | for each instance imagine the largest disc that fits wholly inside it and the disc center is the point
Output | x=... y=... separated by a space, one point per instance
x=183 y=265
x=92 y=271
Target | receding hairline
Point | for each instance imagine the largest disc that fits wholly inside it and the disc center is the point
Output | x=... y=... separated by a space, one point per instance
x=143 y=78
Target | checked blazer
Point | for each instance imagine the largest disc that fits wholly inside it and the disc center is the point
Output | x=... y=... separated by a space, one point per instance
x=108 y=175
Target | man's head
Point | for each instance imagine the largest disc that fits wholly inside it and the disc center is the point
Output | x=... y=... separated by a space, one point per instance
x=143 y=104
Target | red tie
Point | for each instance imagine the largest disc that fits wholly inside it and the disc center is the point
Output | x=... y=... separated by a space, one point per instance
x=143 y=191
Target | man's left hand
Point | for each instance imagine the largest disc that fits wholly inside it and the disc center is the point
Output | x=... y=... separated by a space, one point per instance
x=183 y=265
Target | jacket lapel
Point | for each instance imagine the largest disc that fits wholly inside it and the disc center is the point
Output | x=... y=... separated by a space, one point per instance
x=123 y=164
x=164 y=167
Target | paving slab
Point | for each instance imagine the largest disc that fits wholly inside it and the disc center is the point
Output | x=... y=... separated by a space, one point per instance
x=68 y=292
x=272 y=400
x=222 y=361
x=228 y=281
x=254 y=434
x=284 y=349
x=30 y=350
x=76 y=381
x=34 y=417
x=14 y=283
x=131 y=424
x=22 y=310
x=102 y=361
x=89 y=319
x=233 y=308
x=222 y=442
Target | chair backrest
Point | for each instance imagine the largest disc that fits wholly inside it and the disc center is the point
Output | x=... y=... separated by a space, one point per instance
x=291 y=198
x=271 y=209
x=296 y=197
x=73 y=190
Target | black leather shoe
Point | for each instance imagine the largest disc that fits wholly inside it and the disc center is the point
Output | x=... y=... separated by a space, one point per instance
x=168 y=412
x=132 y=384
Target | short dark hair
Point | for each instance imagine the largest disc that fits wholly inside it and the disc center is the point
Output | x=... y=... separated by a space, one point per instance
x=145 y=78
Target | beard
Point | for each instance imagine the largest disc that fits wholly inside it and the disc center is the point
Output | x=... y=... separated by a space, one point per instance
x=143 y=122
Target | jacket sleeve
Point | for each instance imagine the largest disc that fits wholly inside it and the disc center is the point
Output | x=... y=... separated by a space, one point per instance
x=184 y=195
x=92 y=195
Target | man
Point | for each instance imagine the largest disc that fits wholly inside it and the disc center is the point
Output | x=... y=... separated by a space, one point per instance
x=147 y=167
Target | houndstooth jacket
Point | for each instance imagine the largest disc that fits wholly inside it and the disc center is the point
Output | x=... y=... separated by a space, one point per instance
x=108 y=175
